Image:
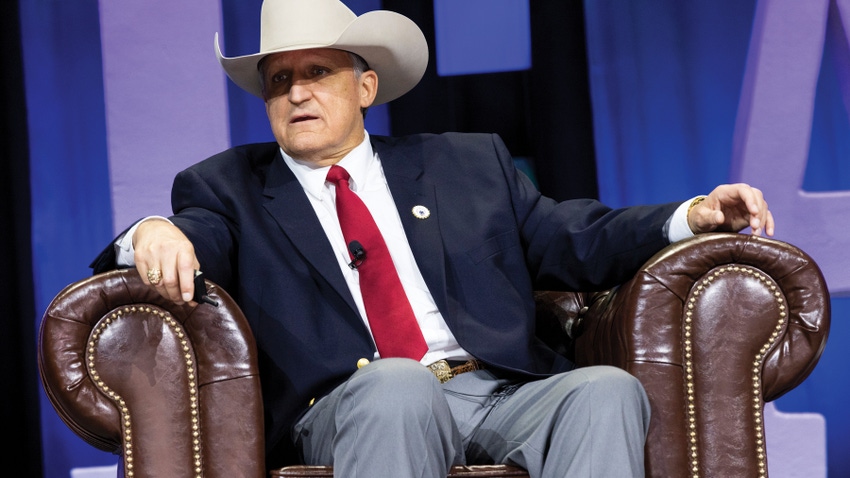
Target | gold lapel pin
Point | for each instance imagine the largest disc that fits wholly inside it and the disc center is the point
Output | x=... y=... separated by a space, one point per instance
x=421 y=212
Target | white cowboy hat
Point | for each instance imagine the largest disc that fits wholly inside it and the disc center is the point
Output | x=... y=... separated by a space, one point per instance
x=392 y=45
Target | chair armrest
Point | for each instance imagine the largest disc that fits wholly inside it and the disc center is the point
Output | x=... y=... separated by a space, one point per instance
x=713 y=327
x=174 y=389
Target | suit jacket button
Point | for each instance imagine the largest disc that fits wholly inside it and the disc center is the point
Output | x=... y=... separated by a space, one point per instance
x=362 y=363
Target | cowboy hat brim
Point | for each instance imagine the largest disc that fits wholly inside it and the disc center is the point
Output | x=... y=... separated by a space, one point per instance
x=392 y=45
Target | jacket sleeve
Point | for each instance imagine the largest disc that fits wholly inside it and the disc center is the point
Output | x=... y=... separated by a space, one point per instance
x=210 y=224
x=581 y=244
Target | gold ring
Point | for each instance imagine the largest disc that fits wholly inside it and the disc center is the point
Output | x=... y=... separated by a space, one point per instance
x=154 y=276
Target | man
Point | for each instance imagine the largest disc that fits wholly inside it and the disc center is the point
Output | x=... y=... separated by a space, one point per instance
x=469 y=237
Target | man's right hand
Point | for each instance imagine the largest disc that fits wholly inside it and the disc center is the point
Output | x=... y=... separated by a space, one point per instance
x=158 y=244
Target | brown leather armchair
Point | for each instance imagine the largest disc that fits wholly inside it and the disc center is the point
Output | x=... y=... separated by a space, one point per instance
x=713 y=327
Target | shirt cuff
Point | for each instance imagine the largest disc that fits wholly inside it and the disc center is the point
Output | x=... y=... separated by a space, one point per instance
x=678 y=225
x=124 y=252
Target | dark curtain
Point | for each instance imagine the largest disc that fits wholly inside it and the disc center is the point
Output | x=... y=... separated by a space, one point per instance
x=542 y=114
x=19 y=406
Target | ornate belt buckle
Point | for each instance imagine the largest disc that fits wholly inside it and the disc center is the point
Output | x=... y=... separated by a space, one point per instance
x=441 y=370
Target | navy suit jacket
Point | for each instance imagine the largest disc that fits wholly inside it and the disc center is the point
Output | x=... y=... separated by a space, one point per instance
x=490 y=241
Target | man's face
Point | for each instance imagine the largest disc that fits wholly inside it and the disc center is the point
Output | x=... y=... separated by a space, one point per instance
x=314 y=100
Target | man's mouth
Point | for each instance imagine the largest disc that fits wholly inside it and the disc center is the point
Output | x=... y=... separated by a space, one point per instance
x=301 y=119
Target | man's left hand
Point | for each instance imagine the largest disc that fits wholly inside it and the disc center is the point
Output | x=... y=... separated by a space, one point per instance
x=732 y=207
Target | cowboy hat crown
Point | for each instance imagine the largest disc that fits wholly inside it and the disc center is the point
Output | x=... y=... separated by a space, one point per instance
x=392 y=45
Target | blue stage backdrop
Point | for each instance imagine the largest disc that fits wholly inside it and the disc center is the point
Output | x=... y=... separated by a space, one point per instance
x=666 y=78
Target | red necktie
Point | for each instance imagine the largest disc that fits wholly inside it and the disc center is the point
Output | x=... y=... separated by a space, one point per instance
x=390 y=316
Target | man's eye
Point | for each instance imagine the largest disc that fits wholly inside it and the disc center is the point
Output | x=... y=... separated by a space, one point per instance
x=278 y=78
x=318 y=71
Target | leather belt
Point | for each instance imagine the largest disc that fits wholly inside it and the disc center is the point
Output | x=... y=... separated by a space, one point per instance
x=444 y=371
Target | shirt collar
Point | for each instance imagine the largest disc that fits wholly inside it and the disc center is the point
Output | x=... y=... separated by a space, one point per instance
x=357 y=162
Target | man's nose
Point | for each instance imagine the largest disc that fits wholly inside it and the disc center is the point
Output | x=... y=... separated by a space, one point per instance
x=300 y=91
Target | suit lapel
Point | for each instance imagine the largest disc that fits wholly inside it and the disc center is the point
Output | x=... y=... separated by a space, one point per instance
x=405 y=177
x=289 y=206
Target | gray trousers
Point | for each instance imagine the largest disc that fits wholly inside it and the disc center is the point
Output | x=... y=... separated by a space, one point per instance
x=392 y=418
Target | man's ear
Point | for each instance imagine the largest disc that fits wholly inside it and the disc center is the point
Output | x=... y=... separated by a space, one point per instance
x=368 y=88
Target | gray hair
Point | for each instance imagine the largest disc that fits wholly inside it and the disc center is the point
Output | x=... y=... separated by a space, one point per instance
x=359 y=65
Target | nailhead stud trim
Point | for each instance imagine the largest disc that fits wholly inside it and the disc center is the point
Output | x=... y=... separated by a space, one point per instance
x=758 y=362
x=126 y=420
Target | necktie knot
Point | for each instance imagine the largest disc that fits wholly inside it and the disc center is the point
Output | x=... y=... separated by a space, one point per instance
x=337 y=174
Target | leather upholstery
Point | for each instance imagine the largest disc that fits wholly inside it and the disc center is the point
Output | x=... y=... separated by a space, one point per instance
x=713 y=327
x=175 y=390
